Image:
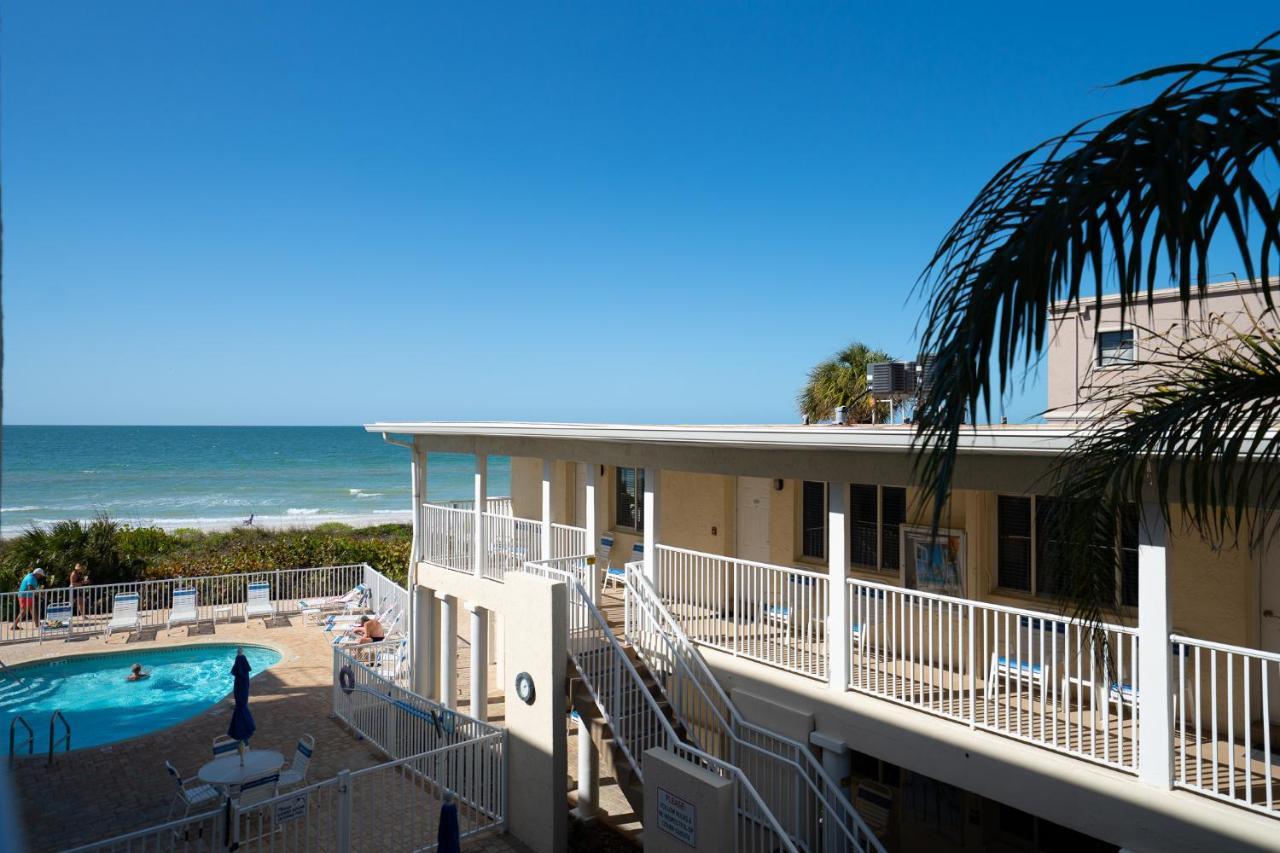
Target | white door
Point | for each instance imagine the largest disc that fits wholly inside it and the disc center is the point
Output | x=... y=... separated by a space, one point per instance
x=753 y=518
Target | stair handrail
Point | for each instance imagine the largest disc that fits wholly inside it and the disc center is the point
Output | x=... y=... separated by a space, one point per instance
x=66 y=733
x=673 y=742
x=31 y=736
x=683 y=653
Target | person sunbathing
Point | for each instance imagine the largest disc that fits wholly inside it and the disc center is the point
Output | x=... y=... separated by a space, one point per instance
x=370 y=630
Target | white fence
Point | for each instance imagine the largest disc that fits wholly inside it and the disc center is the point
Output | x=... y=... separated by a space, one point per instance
x=384 y=592
x=509 y=543
x=767 y=613
x=218 y=598
x=497 y=506
x=1226 y=712
x=447 y=538
x=568 y=541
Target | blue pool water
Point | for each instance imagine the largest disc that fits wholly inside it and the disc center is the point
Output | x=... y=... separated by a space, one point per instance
x=102 y=707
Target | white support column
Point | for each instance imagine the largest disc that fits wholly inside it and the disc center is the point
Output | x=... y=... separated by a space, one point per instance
x=448 y=650
x=651 y=479
x=837 y=571
x=481 y=504
x=421 y=661
x=479 y=662
x=419 y=491
x=593 y=532
x=548 y=466
x=1155 y=722
x=588 y=772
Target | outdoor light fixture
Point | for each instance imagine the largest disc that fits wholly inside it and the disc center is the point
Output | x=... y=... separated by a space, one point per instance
x=777 y=485
x=524 y=688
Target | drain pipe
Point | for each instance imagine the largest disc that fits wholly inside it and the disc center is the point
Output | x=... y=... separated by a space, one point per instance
x=418 y=463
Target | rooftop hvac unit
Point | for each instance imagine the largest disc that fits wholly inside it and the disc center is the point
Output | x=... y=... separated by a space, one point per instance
x=926 y=374
x=888 y=379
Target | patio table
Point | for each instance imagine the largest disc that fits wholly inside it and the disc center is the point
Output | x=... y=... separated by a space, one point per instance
x=227 y=771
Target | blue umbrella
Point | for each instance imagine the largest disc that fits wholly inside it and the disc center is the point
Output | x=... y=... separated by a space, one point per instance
x=241 y=727
x=447 y=837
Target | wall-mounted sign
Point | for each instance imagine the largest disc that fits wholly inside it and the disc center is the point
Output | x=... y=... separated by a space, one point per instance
x=677 y=818
x=933 y=563
x=290 y=809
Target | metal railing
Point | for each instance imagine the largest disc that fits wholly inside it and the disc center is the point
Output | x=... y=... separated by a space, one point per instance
x=772 y=614
x=64 y=740
x=218 y=598
x=447 y=537
x=498 y=506
x=31 y=737
x=806 y=800
x=1226 y=718
x=509 y=543
x=634 y=718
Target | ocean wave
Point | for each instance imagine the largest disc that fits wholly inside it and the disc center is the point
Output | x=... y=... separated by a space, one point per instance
x=20 y=508
x=369 y=495
x=301 y=511
x=390 y=511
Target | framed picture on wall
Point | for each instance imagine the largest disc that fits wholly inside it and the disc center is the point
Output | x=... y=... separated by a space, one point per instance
x=933 y=562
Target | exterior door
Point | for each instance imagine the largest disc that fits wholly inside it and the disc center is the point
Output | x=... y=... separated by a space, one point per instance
x=753 y=518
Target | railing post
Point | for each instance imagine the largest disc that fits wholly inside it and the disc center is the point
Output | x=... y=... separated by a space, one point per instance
x=547 y=469
x=651 y=509
x=478 y=545
x=973 y=678
x=343 y=841
x=838 y=631
x=1155 y=727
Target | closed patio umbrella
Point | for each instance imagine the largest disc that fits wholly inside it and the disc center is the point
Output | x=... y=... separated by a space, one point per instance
x=241 y=726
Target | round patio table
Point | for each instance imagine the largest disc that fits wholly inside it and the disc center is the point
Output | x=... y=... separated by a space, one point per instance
x=226 y=770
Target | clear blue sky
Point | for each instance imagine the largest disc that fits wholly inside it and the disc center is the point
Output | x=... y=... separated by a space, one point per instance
x=314 y=213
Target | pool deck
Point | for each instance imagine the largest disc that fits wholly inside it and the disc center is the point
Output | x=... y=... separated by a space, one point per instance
x=98 y=792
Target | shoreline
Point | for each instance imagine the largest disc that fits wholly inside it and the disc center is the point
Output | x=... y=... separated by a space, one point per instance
x=262 y=522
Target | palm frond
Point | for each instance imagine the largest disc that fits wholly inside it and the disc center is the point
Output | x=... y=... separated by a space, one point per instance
x=1113 y=204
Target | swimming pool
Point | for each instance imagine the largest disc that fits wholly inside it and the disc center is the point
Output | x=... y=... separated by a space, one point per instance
x=102 y=707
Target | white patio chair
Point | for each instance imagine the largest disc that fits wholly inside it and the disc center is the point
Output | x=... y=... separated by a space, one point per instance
x=604 y=555
x=389 y=663
x=256 y=789
x=338 y=622
x=57 y=620
x=190 y=793
x=223 y=745
x=124 y=614
x=183 y=611
x=296 y=773
x=258 y=602
x=347 y=636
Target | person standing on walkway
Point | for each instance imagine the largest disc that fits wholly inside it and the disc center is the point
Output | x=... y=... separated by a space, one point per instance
x=26 y=596
x=79 y=578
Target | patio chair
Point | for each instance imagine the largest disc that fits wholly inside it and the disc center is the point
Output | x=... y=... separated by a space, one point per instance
x=124 y=614
x=349 y=602
x=57 y=620
x=389 y=663
x=183 y=611
x=258 y=602
x=336 y=622
x=604 y=553
x=256 y=789
x=223 y=745
x=347 y=636
x=296 y=773
x=190 y=793
x=1002 y=666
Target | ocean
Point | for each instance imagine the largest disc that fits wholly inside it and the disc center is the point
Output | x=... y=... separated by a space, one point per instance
x=215 y=477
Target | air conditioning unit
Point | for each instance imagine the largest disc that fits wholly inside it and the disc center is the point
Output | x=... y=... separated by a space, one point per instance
x=887 y=379
x=926 y=374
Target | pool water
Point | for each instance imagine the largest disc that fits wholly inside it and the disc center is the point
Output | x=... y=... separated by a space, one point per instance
x=102 y=707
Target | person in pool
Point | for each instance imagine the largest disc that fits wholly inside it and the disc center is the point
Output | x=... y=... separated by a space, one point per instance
x=136 y=673
x=26 y=596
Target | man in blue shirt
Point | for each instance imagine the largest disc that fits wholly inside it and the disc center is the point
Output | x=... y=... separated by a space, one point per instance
x=26 y=596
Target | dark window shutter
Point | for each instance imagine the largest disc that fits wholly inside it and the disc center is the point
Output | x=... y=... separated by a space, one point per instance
x=628 y=502
x=1048 y=549
x=1013 y=534
x=862 y=525
x=893 y=514
x=1129 y=520
x=813 y=541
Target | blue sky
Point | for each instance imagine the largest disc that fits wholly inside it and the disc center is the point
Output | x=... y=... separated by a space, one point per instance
x=327 y=213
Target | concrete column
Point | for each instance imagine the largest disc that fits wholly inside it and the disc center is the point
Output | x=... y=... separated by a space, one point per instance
x=421 y=661
x=1155 y=721
x=419 y=491
x=479 y=662
x=837 y=571
x=481 y=504
x=593 y=527
x=548 y=466
x=448 y=650
x=588 y=773
x=651 y=477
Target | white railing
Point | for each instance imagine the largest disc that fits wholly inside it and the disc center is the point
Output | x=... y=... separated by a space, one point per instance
x=568 y=541
x=509 y=543
x=218 y=598
x=1048 y=680
x=447 y=537
x=385 y=592
x=199 y=832
x=497 y=506
x=634 y=718
x=807 y=802
x=772 y=614
x=1226 y=717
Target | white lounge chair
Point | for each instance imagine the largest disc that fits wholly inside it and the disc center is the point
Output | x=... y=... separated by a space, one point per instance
x=124 y=614
x=354 y=599
x=296 y=773
x=258 y=602
x=343 y=623
x=604 y=554
x=57 y=620
x=347 y=636
x=183 y=611
x=189 y=795
x=618 y=576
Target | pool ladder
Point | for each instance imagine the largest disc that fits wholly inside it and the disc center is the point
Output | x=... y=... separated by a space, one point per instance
x=64 y=740
x=13 y=731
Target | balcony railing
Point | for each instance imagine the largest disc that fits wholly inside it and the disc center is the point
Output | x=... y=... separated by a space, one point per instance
x=509 y=542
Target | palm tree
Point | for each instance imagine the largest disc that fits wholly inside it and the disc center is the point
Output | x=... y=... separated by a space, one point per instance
x=840 y=380
x=1114 y=205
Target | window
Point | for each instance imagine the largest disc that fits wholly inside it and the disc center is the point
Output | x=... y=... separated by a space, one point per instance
x=1115 y=348
x=813 y=520
x=1028 y=556
x=630 y=498
x=876 y=513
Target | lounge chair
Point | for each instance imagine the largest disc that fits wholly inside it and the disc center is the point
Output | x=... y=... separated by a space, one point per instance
x=296 y=773
x=1026 y=671
x=345 y=623
x=57 y=620
x=604 y=554
x=347 y=636
x=258 y=603
x=183 y=611
x=191 y=793
x=619 y=576
x=354 y=599
x=124 y=614
x=223 y=745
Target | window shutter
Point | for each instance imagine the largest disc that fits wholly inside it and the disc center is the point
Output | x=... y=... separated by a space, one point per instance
x=628 y=503
x=1129 y=556
x=862 y=525
x=893 y=513
x=814 y=520
x=1013 y=533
